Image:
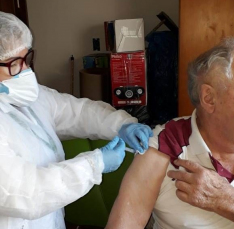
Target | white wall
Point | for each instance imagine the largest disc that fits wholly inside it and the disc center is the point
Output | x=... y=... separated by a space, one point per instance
x=148 y=9
x=62 y=28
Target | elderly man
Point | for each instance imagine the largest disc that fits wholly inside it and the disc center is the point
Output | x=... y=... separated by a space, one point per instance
x=206 y=139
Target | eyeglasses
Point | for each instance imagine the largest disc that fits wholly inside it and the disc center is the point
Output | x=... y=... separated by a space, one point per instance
x=15 y=66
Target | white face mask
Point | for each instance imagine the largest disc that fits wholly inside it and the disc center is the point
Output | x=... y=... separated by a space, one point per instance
x=21 y=90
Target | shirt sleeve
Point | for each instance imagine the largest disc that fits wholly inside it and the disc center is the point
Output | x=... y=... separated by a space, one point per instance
x=28 y=191
x=83 y=118
x=171 y=137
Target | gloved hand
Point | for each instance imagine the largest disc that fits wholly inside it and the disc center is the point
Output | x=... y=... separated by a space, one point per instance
x=136 y=135
x=113 y=154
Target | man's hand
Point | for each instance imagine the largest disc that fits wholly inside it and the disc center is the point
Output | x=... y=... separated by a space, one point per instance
x=202 y=187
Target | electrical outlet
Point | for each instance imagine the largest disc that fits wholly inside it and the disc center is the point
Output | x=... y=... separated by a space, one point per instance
x=96 y=44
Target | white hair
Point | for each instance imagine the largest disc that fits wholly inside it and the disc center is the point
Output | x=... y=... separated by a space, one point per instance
x=219 y=59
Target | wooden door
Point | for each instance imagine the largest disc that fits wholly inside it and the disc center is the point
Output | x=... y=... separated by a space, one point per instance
x=16 y=7
x=203 y=23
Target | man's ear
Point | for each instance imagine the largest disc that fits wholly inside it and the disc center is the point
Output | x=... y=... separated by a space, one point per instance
x=207 y=98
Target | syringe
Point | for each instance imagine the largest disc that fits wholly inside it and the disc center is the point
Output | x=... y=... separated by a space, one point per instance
x=133 y=151
x=130 y=150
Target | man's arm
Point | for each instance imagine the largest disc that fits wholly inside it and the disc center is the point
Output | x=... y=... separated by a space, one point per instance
x=204 y=188
x=139 y=191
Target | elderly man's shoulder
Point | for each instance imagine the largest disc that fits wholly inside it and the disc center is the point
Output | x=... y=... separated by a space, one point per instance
x=172 y=136
x=177 y=127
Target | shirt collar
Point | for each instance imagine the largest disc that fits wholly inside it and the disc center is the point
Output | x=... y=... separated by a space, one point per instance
x=199 y=147
x=203 y=153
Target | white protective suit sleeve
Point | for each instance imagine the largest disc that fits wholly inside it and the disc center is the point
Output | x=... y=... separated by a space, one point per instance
x=28 y=191
x=83 y=118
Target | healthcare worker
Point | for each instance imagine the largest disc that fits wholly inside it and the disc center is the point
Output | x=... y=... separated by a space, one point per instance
x=35 y=180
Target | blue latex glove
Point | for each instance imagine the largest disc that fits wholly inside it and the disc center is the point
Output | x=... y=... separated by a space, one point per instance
x=113 y=154
x=136 y=135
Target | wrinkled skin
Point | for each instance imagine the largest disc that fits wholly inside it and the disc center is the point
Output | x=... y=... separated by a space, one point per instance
x=203 y=188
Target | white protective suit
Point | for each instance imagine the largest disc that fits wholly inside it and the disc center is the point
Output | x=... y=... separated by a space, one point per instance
x=35 y=181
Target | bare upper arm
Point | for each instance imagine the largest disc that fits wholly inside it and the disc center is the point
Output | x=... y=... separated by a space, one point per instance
x=139 y=190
